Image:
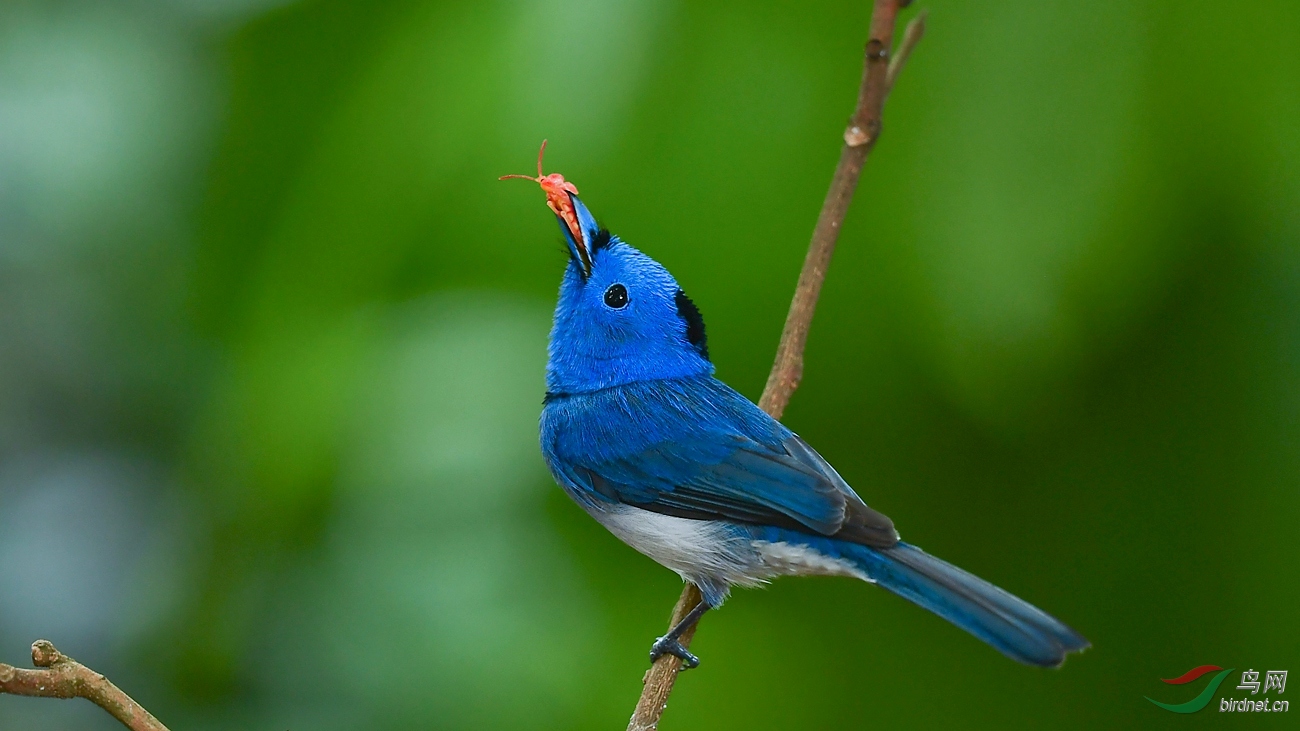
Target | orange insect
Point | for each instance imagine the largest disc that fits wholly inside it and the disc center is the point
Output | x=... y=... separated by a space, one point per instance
x=557 y=191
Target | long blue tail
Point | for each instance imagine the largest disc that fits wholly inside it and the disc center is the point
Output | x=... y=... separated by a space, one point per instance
x=1015 y=627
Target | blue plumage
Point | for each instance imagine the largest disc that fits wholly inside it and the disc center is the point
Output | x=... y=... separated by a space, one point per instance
x=686 y=470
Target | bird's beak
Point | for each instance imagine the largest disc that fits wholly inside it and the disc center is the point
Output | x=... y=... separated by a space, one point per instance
x=579 y=241
x=577 y=223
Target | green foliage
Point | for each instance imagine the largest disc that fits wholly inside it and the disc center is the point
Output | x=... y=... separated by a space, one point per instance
x=1058 y=346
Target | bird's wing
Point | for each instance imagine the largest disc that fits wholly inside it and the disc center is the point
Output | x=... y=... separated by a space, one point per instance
x=708 y=468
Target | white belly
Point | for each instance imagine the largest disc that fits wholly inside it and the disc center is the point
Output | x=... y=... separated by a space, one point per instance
x=698 y=550
x=715 y=553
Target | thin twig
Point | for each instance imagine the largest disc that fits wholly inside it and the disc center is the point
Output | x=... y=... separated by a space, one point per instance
x=912 y=35
x=878 y=76
x=64 y=677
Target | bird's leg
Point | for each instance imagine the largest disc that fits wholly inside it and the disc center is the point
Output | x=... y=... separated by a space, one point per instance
x=669 y=644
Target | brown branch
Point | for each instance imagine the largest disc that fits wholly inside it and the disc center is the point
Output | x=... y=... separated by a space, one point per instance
x=878 y=76
x=67 y=678
x=861 y=135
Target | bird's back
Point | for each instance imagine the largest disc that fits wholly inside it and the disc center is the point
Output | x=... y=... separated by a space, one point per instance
x=695 y=448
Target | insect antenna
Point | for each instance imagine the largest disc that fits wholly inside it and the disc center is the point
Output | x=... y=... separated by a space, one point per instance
x=539 y=177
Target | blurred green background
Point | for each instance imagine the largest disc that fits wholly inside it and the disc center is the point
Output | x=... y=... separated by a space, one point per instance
x=272 y=338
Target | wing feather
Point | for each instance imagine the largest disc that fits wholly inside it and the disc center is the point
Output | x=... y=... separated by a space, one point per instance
x=700 y=450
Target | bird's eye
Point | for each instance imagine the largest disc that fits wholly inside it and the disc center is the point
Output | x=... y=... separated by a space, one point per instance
x=616 y=296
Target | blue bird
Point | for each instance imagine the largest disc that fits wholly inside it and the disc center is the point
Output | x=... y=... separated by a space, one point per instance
x=687 y=471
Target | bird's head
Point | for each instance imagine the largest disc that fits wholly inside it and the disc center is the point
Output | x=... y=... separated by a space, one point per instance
x=621 y=317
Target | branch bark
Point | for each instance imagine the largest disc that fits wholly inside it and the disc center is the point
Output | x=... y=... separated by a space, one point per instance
x=864 y=129
x=878 y=76
x=63 y=677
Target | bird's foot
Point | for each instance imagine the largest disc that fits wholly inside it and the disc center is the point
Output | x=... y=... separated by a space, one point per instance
x=670 y=646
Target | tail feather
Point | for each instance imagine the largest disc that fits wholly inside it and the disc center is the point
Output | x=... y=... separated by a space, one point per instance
x=1015 y=627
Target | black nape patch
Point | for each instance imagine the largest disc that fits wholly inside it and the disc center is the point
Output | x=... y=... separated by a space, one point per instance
x=690 y=314
x=601 y=240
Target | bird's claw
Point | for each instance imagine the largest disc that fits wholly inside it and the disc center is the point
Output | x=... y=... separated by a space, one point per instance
x=670 y=646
